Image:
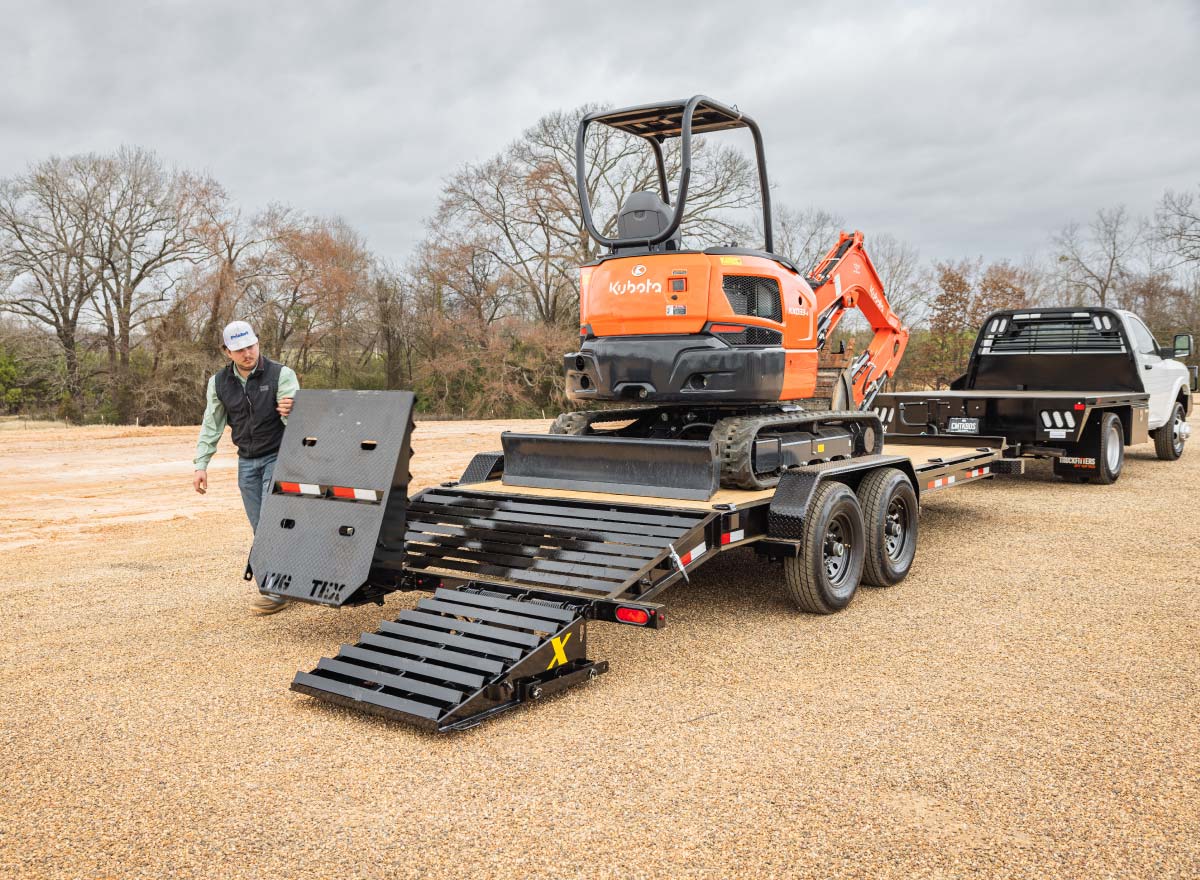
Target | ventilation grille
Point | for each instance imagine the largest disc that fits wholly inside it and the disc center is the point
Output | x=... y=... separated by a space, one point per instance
x=754 y=336
x=754 y=296
x=1080 y=333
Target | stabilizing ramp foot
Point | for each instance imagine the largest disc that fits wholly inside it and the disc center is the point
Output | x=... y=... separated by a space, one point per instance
x=458 y=658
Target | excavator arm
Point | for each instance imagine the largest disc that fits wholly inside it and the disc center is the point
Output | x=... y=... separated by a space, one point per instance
x=847 y=279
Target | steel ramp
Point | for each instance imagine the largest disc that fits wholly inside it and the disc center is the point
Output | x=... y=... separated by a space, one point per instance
x=458 y=658
x=590 y=549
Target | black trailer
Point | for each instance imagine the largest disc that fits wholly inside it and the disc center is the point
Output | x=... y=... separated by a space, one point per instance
x=1072 y=385
x=517 y=571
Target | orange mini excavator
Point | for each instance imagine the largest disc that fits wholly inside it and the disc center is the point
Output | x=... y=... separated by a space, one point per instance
x=722 y=344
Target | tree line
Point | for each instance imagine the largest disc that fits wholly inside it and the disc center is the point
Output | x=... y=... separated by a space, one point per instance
x=118 y=271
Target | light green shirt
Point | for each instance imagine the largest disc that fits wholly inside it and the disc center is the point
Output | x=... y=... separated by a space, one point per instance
x=215 y=417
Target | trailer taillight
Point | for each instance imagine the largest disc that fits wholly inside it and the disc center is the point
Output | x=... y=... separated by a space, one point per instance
x=1062 y=419
x=1079 y=407
x=636 y=616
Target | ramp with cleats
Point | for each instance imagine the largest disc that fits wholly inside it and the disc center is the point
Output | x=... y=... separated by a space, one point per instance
x=458 y=658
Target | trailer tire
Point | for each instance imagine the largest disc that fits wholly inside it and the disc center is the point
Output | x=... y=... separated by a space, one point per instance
x=825 y=576
x=1168 y=440
x=890 y=515
x=1111 y=458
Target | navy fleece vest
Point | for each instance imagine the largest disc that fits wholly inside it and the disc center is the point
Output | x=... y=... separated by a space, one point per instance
x=256 y=427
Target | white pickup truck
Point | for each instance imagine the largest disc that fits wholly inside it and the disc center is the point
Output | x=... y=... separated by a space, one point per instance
x=1075 y=385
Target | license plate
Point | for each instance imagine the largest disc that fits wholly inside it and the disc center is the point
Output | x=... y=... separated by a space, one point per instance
x=963 y=426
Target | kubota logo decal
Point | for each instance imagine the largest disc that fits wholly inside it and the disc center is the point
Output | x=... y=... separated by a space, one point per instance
x=560 y=655
x=618 y=288
x=639 y=270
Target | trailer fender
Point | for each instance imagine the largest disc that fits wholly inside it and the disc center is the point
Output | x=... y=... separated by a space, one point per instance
x=794 y=494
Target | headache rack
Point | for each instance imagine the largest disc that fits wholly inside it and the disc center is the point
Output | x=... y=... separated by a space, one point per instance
x=1052 y=333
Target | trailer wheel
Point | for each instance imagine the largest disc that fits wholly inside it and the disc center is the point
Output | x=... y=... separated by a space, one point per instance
x=1111 y=459
x=825 y=576
x=1169 y=439
x=890 y=514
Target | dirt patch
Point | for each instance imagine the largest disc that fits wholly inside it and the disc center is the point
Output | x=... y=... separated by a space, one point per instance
x=1024 y=705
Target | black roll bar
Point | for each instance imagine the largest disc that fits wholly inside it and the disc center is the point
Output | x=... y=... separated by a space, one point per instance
x=643 y=122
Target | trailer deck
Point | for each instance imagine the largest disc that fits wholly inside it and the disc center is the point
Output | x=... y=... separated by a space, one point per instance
x=516 y=573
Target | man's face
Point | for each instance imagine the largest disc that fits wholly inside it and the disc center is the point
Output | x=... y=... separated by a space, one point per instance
x=244 y=359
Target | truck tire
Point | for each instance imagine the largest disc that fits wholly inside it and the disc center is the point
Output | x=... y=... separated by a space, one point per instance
x=825 y=576
x=890 y=516
x=1169 y=439
x=1111 y=459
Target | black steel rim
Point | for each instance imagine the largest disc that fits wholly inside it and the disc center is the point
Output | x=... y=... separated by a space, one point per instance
x=837 y=549
x=895 y=528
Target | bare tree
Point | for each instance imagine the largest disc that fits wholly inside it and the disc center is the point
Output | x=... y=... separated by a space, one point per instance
x=149 y=218
x=899 y=266
x=804 y=236
x=523 y=205
x=50 y=221
x=1177 y=225
x=1094 y=262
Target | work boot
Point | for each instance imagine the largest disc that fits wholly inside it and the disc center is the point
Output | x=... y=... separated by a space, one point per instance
x=262 y=604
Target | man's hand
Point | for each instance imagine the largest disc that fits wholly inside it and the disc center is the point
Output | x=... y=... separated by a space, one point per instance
x=285 y=406
x=200 y=482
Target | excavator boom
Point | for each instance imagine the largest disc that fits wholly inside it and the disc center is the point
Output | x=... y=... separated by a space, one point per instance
x=845 y=279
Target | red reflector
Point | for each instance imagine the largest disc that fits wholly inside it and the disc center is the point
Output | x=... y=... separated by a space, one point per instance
x=727 y=537
x=636 y=616
x=342 y=492
x=290 y=487
x=727 y=328
x=1079 y=406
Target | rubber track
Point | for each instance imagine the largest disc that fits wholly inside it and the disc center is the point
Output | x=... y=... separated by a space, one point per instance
x=735 y=438
x=579 y=422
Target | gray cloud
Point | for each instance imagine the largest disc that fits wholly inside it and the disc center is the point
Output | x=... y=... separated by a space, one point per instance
x=964 y=128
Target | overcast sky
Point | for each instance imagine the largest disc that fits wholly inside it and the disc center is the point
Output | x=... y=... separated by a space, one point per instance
x=965 y=128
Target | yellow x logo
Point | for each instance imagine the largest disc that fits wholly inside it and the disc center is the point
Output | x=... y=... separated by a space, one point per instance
x=560 y=656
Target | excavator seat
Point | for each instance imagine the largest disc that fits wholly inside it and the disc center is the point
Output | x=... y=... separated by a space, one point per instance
x=644 y=215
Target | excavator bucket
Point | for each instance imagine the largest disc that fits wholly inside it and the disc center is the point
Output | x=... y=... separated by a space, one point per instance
x=332 y=528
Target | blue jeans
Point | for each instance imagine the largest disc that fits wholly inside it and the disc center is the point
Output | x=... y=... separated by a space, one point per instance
x=254 y=479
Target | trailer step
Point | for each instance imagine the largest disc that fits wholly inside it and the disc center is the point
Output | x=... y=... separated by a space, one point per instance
x=458 y=658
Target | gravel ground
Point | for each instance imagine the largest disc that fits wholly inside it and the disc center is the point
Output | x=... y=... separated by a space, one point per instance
x=1024 y=705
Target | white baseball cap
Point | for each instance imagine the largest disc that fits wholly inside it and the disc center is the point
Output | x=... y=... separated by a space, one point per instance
x=238 y=335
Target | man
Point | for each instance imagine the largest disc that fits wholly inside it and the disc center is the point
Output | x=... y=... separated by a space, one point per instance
x=253 y=395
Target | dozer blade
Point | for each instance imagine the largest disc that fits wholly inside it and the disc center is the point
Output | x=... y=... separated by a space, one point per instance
x=335 y=516
x=622 y=465
x=458 y=658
